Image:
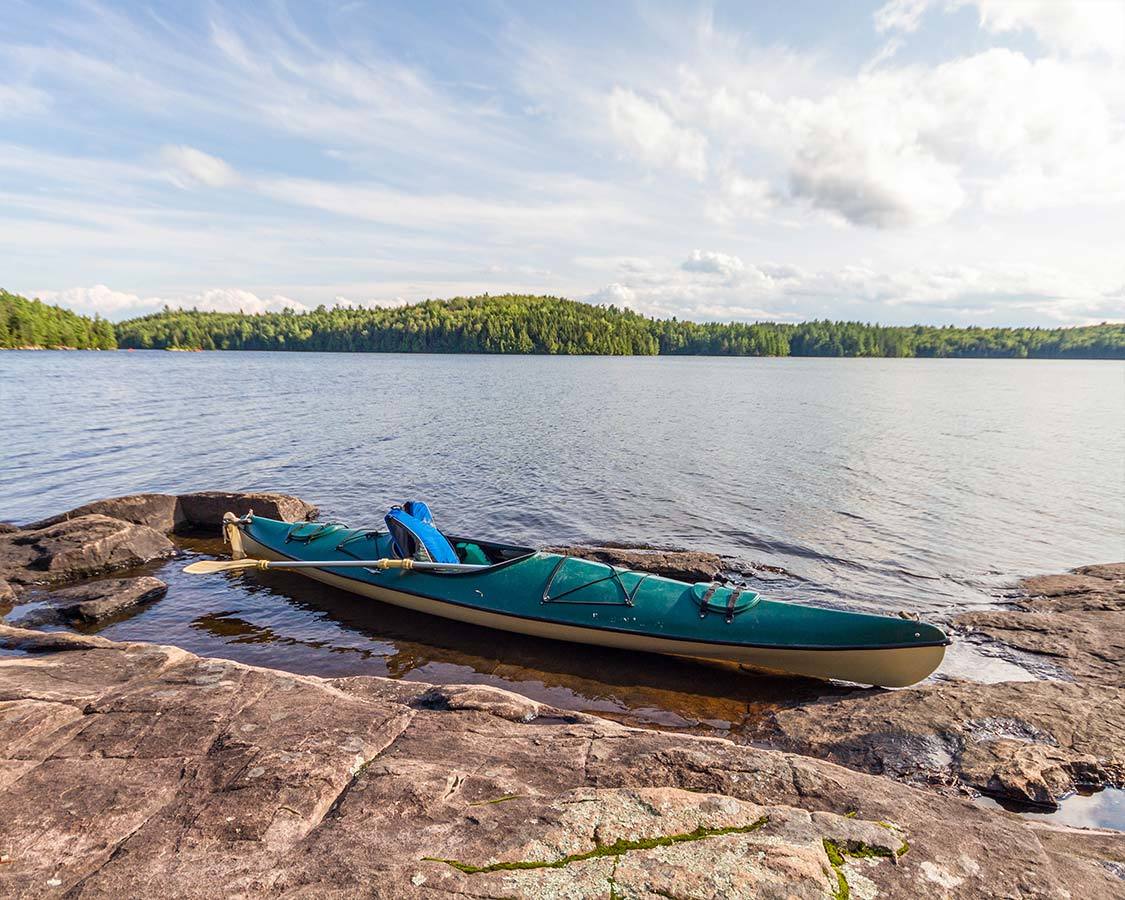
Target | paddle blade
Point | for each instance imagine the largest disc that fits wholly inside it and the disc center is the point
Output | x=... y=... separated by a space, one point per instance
x=211 y=566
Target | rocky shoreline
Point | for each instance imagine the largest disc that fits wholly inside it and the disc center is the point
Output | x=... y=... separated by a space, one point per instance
x=134 y=768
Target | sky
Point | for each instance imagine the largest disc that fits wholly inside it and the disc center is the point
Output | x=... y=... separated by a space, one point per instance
x=933 y=161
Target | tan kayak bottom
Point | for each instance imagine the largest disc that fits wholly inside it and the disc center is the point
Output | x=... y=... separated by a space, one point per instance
x=896 y=667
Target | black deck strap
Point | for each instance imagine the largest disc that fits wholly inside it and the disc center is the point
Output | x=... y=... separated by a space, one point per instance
x=707 y=595
x=342 y=547
x=731 y=601
x=627 y=597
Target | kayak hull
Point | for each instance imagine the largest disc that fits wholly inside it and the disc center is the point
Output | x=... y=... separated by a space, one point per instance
x=889 y=665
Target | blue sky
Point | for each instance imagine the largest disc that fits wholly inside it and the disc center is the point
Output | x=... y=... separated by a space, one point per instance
x=906 y=161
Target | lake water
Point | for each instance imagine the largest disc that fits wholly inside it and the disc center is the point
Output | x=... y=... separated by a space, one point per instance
x=925 y=485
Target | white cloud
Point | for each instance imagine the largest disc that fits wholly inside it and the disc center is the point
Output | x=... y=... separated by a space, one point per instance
x=713 y=263
x=653 y=136
x=17 y=100
x=112 y=304
x=900 y=15
x=617 y=294
x=913 y=145
x=97 y=299
x=1077 y=27
x=190 y=167
x=780 y=291
x=553 y=214
x=235 y=300
x=741 y=197
x=1074 y=26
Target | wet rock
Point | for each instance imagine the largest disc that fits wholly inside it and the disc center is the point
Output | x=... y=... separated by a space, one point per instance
x=159 y=511
x=94 y=601
x=124 y=766
x=1031 y=741
x=200 y=511
x=1106 y=571
x=204 y=510
x=1078 y=619
x=506 y=704
x=683 y=565
x=1088 y=644
x=1028 y=741
x=78 y=548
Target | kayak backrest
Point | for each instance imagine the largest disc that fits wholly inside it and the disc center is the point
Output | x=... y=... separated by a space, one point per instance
x=414 y=539
x=725 y=600
x=420 y=511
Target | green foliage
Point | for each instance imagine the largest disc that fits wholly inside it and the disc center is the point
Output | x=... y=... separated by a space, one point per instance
x=30 y=323
x=524 y=324
x=507 y=324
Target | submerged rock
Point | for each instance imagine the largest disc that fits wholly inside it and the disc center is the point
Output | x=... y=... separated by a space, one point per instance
x=78 y=548
x=124 y=766
x=94 y=601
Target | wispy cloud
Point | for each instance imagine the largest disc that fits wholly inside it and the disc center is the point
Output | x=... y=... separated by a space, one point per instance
x=306 y=154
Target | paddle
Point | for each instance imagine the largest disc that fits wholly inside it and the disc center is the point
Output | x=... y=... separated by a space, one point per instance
x=210 y=566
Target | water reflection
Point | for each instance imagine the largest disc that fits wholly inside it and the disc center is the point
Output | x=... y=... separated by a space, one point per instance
x=287 y=621
x=1099 y=809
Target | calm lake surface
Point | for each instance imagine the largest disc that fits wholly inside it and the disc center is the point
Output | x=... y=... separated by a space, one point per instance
x=925 y=485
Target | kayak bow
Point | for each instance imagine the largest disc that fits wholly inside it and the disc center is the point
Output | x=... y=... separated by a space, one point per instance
x=521 y=590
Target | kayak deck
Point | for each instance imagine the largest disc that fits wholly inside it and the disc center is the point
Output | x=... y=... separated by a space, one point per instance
x=567 y=598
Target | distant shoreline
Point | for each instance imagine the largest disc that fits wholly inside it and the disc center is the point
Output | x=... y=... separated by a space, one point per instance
x=163 y=350
x=519 y=324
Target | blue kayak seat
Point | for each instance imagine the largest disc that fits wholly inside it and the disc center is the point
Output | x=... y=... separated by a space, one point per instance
x=415 y=538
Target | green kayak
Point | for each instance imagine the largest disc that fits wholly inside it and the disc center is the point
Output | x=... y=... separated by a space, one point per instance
x=522 y=590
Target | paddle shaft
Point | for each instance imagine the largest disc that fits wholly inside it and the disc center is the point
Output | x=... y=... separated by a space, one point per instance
x=211 y=566
x=365 y=564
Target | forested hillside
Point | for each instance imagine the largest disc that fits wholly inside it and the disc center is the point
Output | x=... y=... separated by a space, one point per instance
x=29 y=323
x=525 y=324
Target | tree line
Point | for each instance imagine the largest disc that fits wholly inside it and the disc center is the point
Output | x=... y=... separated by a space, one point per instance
x=31 y=323
x=514 y=323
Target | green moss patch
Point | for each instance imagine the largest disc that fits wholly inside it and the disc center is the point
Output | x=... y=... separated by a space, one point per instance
x=503 y=799
x=617 y=848
x=837 y=850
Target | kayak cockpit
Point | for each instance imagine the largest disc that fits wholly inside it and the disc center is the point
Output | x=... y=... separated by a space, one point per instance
x=372 y=543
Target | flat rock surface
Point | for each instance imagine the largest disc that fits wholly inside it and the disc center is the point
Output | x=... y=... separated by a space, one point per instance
x=1033 y=741
x=78 y=548
x=159 y=511
x=94 y=601
x=135 y=770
